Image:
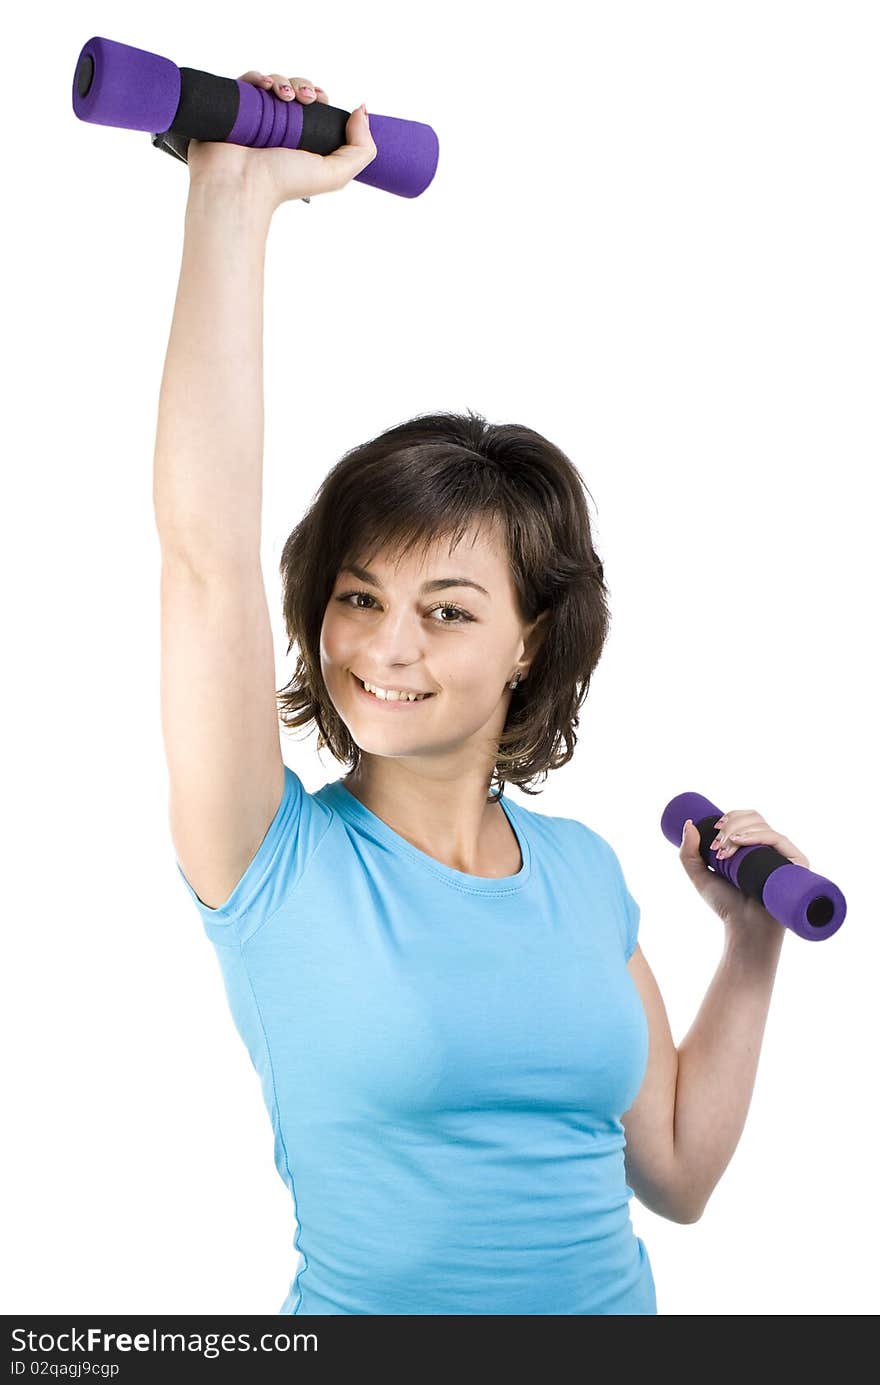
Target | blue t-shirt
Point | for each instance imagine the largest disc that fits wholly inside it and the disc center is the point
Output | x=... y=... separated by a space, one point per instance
x=444 y=1058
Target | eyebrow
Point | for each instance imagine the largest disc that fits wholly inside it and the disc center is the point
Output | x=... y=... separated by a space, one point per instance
x=437 y=584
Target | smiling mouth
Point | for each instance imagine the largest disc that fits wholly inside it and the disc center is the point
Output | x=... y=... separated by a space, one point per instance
x=391 y=701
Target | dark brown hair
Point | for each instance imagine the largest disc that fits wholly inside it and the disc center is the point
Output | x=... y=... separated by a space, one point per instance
x=437 y=475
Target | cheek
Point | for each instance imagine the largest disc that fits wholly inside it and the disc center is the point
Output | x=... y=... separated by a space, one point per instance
x=473 y=673
x=337 y=639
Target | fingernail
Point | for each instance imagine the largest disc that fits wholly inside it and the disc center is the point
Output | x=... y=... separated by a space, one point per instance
x=307 y=91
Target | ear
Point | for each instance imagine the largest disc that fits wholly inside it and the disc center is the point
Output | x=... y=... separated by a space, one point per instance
x=534 y=636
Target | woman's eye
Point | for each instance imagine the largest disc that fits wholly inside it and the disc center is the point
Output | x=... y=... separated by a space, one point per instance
x=462 y=615
x=459 y=615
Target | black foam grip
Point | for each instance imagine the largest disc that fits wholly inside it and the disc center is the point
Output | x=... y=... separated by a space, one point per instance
x=208 y=106
x=323 y=128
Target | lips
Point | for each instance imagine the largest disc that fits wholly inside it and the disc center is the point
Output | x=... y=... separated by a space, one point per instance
x=397 y=702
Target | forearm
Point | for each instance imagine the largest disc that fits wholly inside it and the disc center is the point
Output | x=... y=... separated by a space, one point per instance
x=718 y=1061
x=207 y=482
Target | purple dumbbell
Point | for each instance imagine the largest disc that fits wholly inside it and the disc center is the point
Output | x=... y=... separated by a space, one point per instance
x=132 y=89
x=808 y=904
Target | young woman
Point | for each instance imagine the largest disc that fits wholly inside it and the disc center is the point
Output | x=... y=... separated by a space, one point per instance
x=464 y=1054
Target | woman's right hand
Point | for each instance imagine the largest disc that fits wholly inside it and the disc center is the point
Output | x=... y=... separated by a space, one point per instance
x=282 y=175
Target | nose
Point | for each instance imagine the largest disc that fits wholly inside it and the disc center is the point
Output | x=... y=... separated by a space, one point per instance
x=395 y=641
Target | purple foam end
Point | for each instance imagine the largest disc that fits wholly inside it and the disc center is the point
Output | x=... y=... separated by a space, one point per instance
x=679 y=809
x=811 y=906
x=129 y=88
x=407 y=156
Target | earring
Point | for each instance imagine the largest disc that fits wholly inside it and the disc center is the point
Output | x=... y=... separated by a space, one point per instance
x=514 y=682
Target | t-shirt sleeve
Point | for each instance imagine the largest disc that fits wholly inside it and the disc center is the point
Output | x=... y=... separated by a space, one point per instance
x=633 y=914
x=631 y=910
x=627 y=910
x=292 y=837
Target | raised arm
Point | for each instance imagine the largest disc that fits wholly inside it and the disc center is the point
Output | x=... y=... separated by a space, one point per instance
x=219 y=712
x=207 y=480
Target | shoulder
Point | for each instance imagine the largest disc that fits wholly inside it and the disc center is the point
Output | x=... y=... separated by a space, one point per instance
x=578 y=836
x=583 y=847
x=595 y=845
x=570 y=837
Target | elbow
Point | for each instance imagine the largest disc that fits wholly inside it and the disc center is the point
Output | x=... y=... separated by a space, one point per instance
x=691 y=1208
x=672 y=1204
x=688 y=1215
x=690 y=1188
x=689 y=1202
x=675 y=1196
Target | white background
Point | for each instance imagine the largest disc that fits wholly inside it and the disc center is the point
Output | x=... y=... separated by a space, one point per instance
x=653 y=237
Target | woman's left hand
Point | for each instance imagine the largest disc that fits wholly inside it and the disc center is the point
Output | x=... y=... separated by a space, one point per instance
x=739 y=828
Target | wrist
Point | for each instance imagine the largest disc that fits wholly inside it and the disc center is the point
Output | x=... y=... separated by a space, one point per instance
x=239 y=196
x=753 y=936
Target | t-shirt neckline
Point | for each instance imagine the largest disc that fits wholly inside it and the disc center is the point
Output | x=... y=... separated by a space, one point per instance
x=360 y=815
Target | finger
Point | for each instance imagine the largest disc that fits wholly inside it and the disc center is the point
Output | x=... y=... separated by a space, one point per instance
x=783 y=845
x=737 y=817
x=690 y=839
x=740 y=828
x=746 y=837
x=732 y=841
x=282 y=86
x=354 y=156
x=735 y=821
x=305 y=90
x=762 y=835
x=293 y=88
x=689 y=854
x=286 y=88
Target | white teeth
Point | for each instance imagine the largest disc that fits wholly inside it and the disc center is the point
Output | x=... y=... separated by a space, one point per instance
x=394 y=694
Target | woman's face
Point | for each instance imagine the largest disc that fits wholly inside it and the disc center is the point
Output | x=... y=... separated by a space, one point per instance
x=446 y=625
